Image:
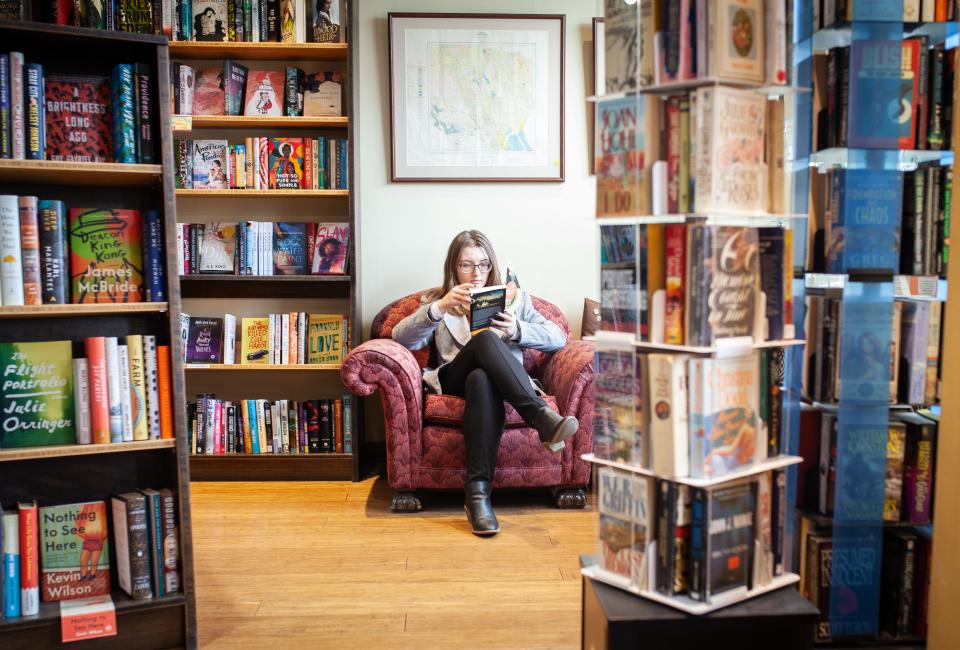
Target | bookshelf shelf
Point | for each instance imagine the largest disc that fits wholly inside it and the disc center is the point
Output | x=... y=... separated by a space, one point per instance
x=66 y=311
x=78 y=173
x=266 y=286
x=905 y=287
x=902 y=160
x=262 y=367
x=244 y=121
x=259 y=51
x=943 y=33
x=59 y=451
x=712 y=219
x=272 y=467
x=255 y=194
x=777 y=462
x=770 y=90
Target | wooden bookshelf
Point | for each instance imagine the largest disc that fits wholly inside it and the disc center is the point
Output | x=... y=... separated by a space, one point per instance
x=59 y=451
x=266 y=286
x=77 y=173
x=258 y=194
x=77 y=473
x=252 y=122
x=66 y=311
x=272 y=467
x=262 y=367
x=260 y=51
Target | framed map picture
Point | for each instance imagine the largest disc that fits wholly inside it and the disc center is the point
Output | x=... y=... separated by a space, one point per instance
x=476 y=97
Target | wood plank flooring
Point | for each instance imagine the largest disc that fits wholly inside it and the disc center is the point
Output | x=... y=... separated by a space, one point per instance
x=327 y=565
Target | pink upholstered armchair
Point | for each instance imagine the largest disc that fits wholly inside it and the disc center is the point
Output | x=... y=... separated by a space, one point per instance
x=424 y=442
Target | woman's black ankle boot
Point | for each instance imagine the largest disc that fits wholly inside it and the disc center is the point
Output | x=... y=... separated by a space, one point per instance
x=479 y=509
x=554 y=428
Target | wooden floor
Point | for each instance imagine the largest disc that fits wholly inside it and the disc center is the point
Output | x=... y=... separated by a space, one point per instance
x=327 y=565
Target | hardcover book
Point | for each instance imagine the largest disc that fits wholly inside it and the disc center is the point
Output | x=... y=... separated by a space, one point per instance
x=74 y=551
x=37 y=397
x=210 y=163
x=290 y=248
x=893 y=485
x=105 y=256
x=218 y=248
x=286 y=163
x=326 y=21
x=322 y=93
x=731 y=537
x=135 y=16
x=883 y=93
x=205 y=340
x=254 y=340
x=864 y=227
x=723 y=294
x=131 y=536
x=210 y=21
x=625 y=148
x=738 y=40
x=208 y=94
x=235 y=76
x=622 y=40
x=78 y=121
x=264 y=93
x=325 y=339
x=331 y=248
x=486 y=303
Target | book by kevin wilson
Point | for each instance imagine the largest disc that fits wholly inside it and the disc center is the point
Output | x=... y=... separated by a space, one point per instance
x=105 y=256
x=286 y=163
x=74 y=552
x=78 y=124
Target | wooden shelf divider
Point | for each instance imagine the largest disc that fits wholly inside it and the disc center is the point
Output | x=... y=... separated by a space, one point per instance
x=60 y=172
x=65 y=311
x=272 y=467
x=257 y=194
x=266 y=286
x=247 y=121
x=59 y=451
x=262 y=367
x=259 y=51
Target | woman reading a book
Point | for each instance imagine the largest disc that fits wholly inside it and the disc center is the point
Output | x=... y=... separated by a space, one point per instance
x=485 y=369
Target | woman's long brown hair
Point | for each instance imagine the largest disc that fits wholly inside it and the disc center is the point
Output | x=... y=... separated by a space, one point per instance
x=464 y=239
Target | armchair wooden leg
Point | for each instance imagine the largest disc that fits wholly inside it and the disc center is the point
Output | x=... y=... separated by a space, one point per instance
x=405 y=501
x=570 y=498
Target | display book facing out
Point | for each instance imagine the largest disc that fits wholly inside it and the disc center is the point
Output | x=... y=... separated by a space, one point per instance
x=696 y=308
x=277 y=252
x=63 y=534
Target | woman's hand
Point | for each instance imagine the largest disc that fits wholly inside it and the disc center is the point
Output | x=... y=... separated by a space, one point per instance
x=459 y=296
x=506 y=322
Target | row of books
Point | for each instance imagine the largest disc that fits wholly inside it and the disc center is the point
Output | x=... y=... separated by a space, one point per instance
x=259 y=426
x=81 y=118
x=100 y=390
x=255 y=21
x=679 y=540
x=693 y=283
x=648 y=43
x=264 y=248
x=827 y=13
x=858 y=80
x=279 y=339
x=62 y=552
x=263 y=163
x=50 y=254
x=233 y=89
x=913 y=358
x=904 y=572
x=715 y=149
x=681 y=415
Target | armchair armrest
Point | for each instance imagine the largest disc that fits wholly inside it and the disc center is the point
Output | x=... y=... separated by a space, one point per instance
x=388 y=366
x=569 y=376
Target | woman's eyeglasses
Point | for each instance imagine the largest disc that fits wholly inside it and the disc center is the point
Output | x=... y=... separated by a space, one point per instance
x=467 y=267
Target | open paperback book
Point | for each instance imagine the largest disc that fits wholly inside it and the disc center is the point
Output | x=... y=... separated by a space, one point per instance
x=489 y=301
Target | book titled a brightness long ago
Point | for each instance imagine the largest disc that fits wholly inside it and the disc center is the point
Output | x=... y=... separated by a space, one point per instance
x=487 y=303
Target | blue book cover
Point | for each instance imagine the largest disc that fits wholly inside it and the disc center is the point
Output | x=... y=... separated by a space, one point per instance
x=153 y=257
x=6 y=144
x=882 y=94
x=254 y=429
x=864 y=227
x=772 y=279
x=10 y=547
x=347 y=415
x=54 y=252
x=290 y=249
x=124 y=125
x=35 y=113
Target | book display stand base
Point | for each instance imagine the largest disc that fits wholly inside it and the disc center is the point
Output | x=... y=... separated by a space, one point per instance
x=614 y=619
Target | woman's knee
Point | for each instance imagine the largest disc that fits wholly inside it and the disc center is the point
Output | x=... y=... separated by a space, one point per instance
x=487 y=338
x=478 y=381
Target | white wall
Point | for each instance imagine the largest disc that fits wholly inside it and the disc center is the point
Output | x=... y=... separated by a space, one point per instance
x=545 y=229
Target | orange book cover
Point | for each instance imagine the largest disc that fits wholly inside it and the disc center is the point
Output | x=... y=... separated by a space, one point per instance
x=99 y=402
x=676 y=265
x=163 y=389
x=338 y=425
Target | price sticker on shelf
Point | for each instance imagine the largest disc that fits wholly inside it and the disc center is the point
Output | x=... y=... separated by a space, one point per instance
x=181 y=122
x=87 y=618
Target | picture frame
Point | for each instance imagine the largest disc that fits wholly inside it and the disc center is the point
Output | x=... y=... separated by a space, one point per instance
x=507 y=125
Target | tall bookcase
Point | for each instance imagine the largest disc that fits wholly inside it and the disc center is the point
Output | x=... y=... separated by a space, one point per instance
x=73 y=473
x=214 y=295
x=867 y=563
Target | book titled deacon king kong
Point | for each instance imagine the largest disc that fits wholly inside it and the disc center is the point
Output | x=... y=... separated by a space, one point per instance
x=105 y=256
x=78 y=120
x=74 y=553
x=37 y=397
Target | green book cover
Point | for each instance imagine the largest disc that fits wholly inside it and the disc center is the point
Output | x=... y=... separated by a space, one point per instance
x=36 y=394
x=74 y=553
x=105 y=256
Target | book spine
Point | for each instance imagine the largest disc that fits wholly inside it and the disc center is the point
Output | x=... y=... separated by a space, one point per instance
x=11 y=265
x=10 y=580
x=155 y=521
x=17 y=106
x=144 y=114
x=666 y=519
x=153 y=256
x=6 y=144
x=138 y=387
x=81 y=392
x=779 y=518
x=699 y=536
x=124 y=126
x=338 y=426
x=152 y=393
x=254 y=427
x=164 y=392
x=171 y=545
x=29 y=560
x=229 y=338
x=347 y=424
x=34 y=104
x=99 y=400
x=126 y=396
x=30 y=250
x=112 y=357
x=675 y=289
x=132 y=541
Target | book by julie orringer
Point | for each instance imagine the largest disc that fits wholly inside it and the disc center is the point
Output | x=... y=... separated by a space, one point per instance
x=331 y=247
x=290 y=248
x=105 y=256
x=36 y=394
x=74 y=551
x=78 y=118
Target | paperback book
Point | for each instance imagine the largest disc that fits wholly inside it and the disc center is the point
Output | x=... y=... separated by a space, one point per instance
x=74 y=551
x=486 y=303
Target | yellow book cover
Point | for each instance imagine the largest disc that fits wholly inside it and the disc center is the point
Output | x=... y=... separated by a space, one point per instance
x=325 y=339
x=138 y=387
x=254 y=340
x=656 y=262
